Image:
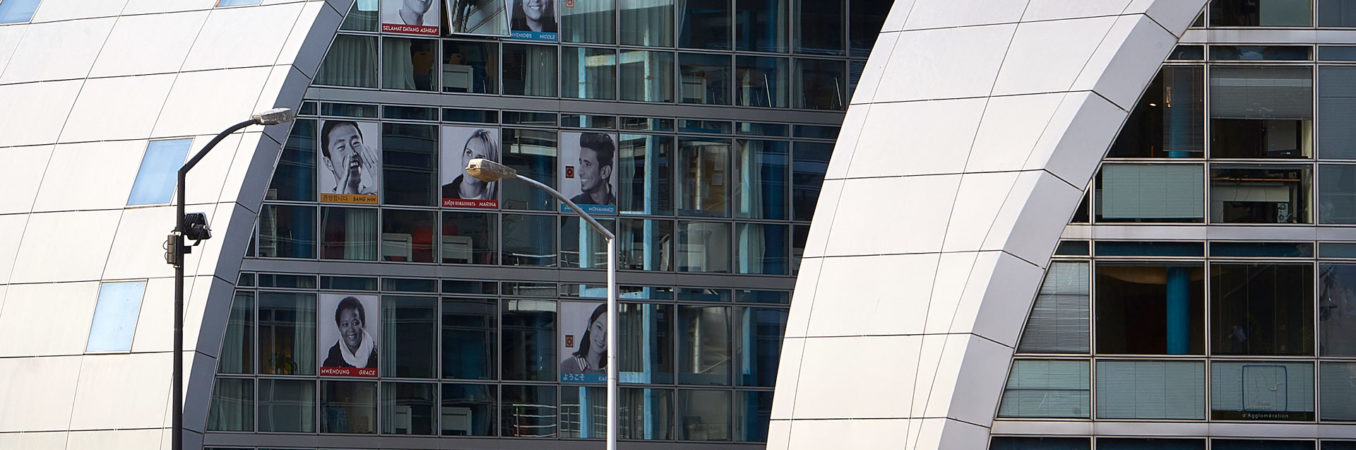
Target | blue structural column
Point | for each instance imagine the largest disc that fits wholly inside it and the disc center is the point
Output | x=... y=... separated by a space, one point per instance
x=1178 y=305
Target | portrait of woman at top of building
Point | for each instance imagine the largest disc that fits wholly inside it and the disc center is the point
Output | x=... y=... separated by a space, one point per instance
x=351 y=163
x=355 y=347
x=534 y=15
x=479 y=145
x=591 y=354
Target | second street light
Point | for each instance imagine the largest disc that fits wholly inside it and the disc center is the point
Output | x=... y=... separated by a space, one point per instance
x=491 y=171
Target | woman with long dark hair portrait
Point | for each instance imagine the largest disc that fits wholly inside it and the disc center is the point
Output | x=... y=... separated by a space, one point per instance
x=591 y=355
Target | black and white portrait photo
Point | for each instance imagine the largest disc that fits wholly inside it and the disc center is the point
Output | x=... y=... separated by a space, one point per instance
x=349 y=169
x=477 y=17
x=583 y=342
x=588 y=175
x=460 y=146
x=410 y=16
x=532 y=19
x=347 y=338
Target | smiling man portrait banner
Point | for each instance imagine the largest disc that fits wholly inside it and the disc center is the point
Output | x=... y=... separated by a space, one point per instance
x=410 y=16
x=349 y=167
x=588 y=175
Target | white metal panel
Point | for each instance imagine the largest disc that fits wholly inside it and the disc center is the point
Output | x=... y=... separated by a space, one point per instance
x=963 y=13
x=117 y=108
x=20 y=177
x=306 y=53
x=921 y=66
x=137 y=248
x=1115 y=69
x=122 y=391
x=9 y=40
x=242 y=37
x=884 y=302
x=81 y=238
x=154 y=332
x=1065 y=9
x=44 y=402
x=205 y=180
x=116 y=439
x=1042 y=58
x=928 y=145
x=92 y=175
x=77 y=42
x=47 y=319
x=874 y=69
x=1011 y=127
x=151 y=43
x=11 y=230
x=208 y=102
x=164 y=6
x=34 y=113
x=877 y=207
x=43 y=440
x=54 y=10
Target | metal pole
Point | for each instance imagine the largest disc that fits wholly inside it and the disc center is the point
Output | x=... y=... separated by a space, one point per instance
x=612 y=349
x=179 y=251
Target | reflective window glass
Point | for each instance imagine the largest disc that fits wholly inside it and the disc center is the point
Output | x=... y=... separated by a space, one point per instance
x=1260 y=194
x=704 y=79
x=407 y=408
x=470 y=238
x=1047 y=389
x=645 y=244
x=1261 y=111
x=1336 y=13
x=762 y=25
x=758 y=345
x=1337 y=309
x=1150 y=308
x=1262 y=309
x=1151 y=193
x=646 y=76
x=1337 y=386
x=762 y=168
x=409 y=64
x=17 y=11
x=703 y=415
x=762 y=81
x=529 y=70
x=645 y=171
x=647 y=22
x=1169 y=120
x=1239 y=444
x=1260 y=13
x=646 y=344
x=237 y=348
x=587 y=22
x=348 y=407
x=409 y=337
x=753 y=411
x=581 y=246
x=286 y=405
x=348 y=233
x=1150 y=444
x=409 y=164
x=533 y=154
x=469 y=409
x=583 y=412
x=470 y=66
x=362 y=16
x=1261 y=390
x=529 y=335
x=528 y=411
x=156 y=179
x=529 y=240
x=287 y=333
x=864 y=24
x=703 y=247
x=820 y=84
x=407 y=236
x=1150 y=390
x=1337 y=194
x=115 y=316
x=703 y=177
x=819 y=27
x=704 y=345
x=1059 y=318
x=470 y=340
x=287 y=231
x=294 y=176
x=232 y=407
x=762 y=248
x=1337 y=97
x=704 y=24
x=645 y=414
x=351 y=62
x=1038 y=443
x=810 y=160
x=587 y=72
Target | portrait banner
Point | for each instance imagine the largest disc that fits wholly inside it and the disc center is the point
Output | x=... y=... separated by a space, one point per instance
x=583 y=342
x=348 y=335
x=533 y=20
x=459 y=146
x=410 y=17
x=588 y=175
x=477 y=17
x=349 y=166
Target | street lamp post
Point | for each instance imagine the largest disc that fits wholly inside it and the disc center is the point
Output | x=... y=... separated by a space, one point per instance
x=491 y=171
x=195 y=227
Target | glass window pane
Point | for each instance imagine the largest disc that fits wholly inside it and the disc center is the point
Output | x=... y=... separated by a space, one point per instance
x=1169 y=120
x=762 y=168
x=409 y=64
x=1260 y=194
x=17 y=11
x=1150 y=390
x=819 y=27
x=703 y=247
x=762 y=248
x=704 y=79
x=583 y=412
x=867 y=17
x=820 y=84
x=704 y=24
x=703 y=177
x=287 y=406
x=470 y=238
x=645 y=414
x=581 y=246
x=1046 y=389
x=646 y=343
x=361 y=17
x=1261 y=390
x=1336 y=13
x=349 y=233
x=528 y=411
x=645 y=171
x=294 y=176
x=409 y=164
x=351 y=62
x=762 y=81
x=1337 y=310
x=287 y=231
x=810 y=162
x=1336 y=97
x=1151 y=193
x=762 y=25
x=1261 y=111
x=407 y=236
x=759 y=346
x=232 y=405
x=587 y=72
x=237 y=348
x=469 y=409
x=470 y=335
x=647 y=22
x=703 y=415
x=407 y=408
x=1059 y=319
x=753 y=412
x=1337 y=386
x=1337 y=194
x=410 y=333
x=115 y=317
x=1038 y=443
x=1264 y=13
x=1238 y=444
x=529 y=240
x=704 y=345
x=533 y=154
x=348 y=407
x=587 y=22
x=286 y=333
x=646 y=76
x=1150 y=308
x=529 y=349
x=159 y=171
x=645 y=244
x=530 y=70
x=1262 y=309
x=470 y=66
x=1150 y=444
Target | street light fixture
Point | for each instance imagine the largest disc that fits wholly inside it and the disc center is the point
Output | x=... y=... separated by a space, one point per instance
x=490 y=171
x=194 y=227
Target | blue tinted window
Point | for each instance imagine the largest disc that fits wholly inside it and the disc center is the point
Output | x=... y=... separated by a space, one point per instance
x=115 y=317
x=159 y=169
x=17 y=11
x=221 y=3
